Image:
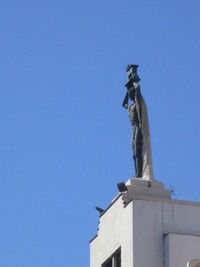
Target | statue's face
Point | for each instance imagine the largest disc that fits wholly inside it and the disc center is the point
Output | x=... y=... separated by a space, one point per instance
x=131 y=94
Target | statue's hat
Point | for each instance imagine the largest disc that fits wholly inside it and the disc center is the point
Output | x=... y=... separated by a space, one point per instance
x=132 y=75
x=132 y=68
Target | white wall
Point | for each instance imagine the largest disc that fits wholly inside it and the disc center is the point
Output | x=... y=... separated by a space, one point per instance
x=115 y=230
x=181 y=249
x=139 y=229
x=147 y=234
x=152 y=220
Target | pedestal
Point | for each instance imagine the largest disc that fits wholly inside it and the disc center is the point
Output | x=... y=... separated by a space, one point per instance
x=140 y=187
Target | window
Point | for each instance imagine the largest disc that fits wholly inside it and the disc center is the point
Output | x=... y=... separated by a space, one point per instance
x=114 y=260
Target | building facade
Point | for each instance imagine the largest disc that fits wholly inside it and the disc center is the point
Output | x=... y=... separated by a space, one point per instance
x=144 y=227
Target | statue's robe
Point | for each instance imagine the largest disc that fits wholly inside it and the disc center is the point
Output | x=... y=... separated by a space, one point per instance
x=147 y=172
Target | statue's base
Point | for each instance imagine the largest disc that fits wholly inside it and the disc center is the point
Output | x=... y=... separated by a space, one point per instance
x=140 y=187
x=145 y=183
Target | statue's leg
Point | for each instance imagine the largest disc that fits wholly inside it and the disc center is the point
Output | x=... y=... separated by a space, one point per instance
x=135 y=165
x=138 y=152
x=134 y=148
x=139 y=163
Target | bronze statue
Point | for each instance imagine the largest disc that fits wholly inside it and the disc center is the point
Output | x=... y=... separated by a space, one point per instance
x=139 y=120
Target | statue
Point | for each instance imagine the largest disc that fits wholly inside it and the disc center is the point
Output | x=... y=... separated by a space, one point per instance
x=137 y=112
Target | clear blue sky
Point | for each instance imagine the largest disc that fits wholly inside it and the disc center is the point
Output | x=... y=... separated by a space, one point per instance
x=65 y=140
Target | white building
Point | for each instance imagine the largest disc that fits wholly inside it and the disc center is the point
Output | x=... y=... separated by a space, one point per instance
x=144 y=227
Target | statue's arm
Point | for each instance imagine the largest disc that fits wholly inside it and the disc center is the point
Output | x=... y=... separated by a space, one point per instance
x=125 y=102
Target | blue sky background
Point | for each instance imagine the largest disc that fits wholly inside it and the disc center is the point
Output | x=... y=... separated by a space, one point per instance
x=65 y=140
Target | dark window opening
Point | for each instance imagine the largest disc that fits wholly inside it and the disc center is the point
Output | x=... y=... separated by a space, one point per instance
x=118 y=259
x=114 y=260
x=109 y=264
